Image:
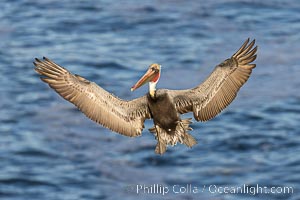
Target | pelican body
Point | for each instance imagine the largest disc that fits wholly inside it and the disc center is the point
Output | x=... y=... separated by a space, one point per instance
x=164 y=106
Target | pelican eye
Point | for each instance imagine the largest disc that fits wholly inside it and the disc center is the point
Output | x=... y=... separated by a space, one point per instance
x=154 y=69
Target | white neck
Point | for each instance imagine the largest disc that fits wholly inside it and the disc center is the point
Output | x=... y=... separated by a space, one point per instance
x=152 y=88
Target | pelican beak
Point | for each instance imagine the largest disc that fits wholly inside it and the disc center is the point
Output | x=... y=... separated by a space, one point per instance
x=148 y=76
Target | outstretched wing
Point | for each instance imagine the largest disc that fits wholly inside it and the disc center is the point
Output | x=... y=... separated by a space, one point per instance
x=220 y=88
x=124 y=117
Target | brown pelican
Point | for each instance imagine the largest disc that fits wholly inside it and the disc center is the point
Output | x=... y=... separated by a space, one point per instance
x=163 y=106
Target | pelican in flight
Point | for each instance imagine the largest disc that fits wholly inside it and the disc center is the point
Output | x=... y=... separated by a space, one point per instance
x=163 y=106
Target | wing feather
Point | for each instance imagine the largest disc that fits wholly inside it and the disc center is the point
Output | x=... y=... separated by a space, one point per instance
x=124 y=117
x=213 y=95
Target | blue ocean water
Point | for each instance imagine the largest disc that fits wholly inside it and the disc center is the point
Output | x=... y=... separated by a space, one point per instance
x=49 y=150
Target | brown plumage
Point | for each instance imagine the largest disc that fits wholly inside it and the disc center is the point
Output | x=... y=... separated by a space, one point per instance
x=165 y=106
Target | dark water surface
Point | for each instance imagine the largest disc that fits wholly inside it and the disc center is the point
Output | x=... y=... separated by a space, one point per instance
x=49 y=150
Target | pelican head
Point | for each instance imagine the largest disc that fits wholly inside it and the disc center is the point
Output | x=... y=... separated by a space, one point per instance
x=151 y=76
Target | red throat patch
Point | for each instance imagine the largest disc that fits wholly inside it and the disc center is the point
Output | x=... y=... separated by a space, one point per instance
x=155 y=79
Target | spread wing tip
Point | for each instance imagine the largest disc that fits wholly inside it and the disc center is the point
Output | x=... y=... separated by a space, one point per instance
x=246 y=54
x=48 y=68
